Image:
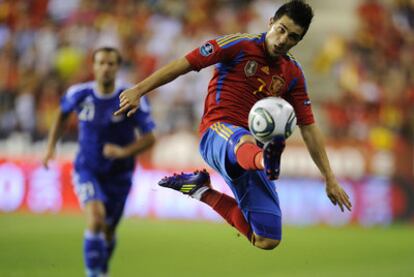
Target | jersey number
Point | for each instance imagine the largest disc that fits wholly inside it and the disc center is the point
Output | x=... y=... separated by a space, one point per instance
x=87 y=113
x=273 y=89
x=85 y=191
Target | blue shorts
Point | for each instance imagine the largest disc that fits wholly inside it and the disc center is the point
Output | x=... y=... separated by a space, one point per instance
x=255 y=194
x=111 y=190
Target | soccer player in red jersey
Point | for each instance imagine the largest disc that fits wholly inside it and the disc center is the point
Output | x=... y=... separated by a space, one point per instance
x=248 y=67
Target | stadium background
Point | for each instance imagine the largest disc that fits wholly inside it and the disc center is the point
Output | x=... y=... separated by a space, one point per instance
x=358 y=58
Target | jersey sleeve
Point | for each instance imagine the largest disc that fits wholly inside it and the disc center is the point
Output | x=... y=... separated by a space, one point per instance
x=71 y=99
x=213 y=51
x=143 y=118
x=298 y=97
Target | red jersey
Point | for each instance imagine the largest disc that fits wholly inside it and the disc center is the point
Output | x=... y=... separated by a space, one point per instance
x=244 y=74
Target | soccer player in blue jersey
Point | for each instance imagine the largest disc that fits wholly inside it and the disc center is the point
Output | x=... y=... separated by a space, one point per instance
x=248 y=67
x=104 y=164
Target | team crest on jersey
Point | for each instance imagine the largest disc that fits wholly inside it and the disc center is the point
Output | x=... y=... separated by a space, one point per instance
x=207 y=49
x=250 y=68
x=277 y=84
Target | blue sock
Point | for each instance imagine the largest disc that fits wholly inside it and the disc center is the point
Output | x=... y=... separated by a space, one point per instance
x=110 y=246
x=94 y=253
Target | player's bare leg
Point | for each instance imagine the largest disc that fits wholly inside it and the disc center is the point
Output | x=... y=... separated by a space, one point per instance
x=109 y=233
x=95 y=216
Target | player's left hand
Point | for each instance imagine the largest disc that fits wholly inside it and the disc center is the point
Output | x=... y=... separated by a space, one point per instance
x=113 y=151
x=128 y=102
x=337 y=195
x=47 y=157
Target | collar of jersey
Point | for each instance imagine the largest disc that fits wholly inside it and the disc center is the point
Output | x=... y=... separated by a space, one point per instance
x=105 y=96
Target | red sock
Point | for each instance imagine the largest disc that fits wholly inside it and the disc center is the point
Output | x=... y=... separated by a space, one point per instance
x=249 y=156
x=227 y=207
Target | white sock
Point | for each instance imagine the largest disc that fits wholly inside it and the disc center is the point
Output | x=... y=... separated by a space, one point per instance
x=199 y=193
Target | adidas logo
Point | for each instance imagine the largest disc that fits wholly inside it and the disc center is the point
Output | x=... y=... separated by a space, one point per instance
x=187 y=187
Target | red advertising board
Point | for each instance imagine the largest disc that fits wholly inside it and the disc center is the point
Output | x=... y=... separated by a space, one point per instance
x=26 y=186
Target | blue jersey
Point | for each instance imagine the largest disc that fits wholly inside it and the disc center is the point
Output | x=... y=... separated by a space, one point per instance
x=98 y=126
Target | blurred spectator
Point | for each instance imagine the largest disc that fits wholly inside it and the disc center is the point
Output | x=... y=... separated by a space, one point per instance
x=48 y=104
x=46 y=45
x=374 y=71
x=25 y=105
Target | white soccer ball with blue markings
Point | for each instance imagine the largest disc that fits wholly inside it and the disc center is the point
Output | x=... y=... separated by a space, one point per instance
x=270 y=117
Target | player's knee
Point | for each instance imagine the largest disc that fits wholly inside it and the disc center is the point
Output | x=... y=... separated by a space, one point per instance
x=96 y=223
x=95 y=216
x=265 y=243
x=268 y=244
x=247 y=138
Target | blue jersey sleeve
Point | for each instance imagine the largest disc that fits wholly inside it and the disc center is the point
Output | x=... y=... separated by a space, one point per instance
x=143 y=118
x=71 y=98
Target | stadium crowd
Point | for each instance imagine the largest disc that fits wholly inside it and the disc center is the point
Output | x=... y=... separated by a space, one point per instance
x=46 y=45
x=374 y=69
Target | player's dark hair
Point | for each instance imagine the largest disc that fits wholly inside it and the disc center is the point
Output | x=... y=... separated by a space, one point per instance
x=108 y=49
x=299 y=11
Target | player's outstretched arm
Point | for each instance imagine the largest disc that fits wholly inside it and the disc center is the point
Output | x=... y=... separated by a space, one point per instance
x=54 y=134
x=129 y=99
x=314 y=142
x=113 y=151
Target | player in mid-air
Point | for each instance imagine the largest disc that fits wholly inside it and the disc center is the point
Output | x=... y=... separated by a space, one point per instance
x=105 y=161
x=248 y=67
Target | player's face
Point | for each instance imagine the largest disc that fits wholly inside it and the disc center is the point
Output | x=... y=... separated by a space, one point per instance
x=283 y=34
x=105 y=67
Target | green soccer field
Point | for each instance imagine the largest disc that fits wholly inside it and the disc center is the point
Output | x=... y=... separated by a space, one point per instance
x=51 y=246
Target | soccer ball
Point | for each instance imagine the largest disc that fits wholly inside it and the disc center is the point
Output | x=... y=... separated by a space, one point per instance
x=270 y=117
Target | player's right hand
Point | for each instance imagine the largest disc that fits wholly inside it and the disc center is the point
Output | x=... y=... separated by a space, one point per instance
x=49 y=155
x=128 y=102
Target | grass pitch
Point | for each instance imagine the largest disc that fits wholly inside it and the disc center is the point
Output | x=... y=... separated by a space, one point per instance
x=50 y=245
